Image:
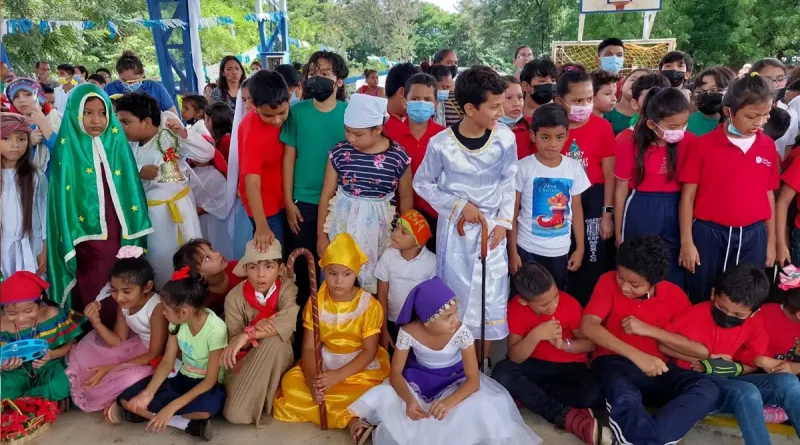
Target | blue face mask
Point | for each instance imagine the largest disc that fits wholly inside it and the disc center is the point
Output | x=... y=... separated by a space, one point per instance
x=133 y=87
x=612 y=64
x=510 y=120
x=78 y=78
x=419 y=111
x=732 y=130
x=442 y=95
x=293 y=99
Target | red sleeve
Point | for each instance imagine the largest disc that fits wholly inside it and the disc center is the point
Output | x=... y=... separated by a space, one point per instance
x=693 y=166
x=624 y=163
x=602 y=297
x=756 y=344
x=775 y=174
x=681 y=303
x=792 y=176
x=220 y=164
x=257 y=144
x=683 y=148
x=225 y=145
x=517 y=324
x=688 y=325
x=574 y=314
x=607 y=139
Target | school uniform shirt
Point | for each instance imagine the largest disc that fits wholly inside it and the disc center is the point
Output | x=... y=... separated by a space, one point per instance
x=612 y=306
x=700 y=124
x=398 y=131
x=522 y=133
x=783 y=332
x=744 y=343
x=791 y=177
x=196 y=349
x=403 y=276
x=545 y=213
x=618 y=121
x=589 y=145
x=262 y=152
x=732 y=185
x=522 y=320
x=656 y=170
x=624 y=135
x=152 y=88
x=313 y=134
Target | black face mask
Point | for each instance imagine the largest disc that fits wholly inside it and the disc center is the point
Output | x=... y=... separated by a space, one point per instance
x=543 y=94
x=724 y=320
x=453 y=71
x=709 y=103
x=320 y=88
x=676 y=78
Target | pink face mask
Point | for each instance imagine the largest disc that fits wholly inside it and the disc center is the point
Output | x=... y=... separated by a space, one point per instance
x=672 y=136
x=579 y=113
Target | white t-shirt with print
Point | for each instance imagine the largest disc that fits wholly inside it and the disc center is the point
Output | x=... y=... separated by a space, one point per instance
x=403 y=276
x=545 y=213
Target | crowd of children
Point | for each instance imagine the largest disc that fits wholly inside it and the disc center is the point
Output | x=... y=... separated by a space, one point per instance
x=620 y=229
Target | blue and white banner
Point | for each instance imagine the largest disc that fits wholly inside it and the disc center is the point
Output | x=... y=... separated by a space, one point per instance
x=16 y=26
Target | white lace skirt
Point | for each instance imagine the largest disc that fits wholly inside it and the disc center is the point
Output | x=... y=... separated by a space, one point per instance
x=369 y=222
x=486 y=417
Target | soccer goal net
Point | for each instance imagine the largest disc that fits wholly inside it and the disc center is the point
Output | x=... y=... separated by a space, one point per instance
x=638 y=53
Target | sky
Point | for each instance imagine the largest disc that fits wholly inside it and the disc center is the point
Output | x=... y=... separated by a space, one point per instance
x=447 y=5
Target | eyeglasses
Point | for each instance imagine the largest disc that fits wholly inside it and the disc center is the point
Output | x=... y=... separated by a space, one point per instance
x=525 y=56
x=776 y=80
x=710 y=91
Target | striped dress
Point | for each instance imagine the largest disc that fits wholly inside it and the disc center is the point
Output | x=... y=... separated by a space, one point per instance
x=453 y=113
x=50 y=381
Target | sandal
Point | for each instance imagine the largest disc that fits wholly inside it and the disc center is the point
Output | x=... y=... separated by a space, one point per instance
x=113 y=414
x=360 y=431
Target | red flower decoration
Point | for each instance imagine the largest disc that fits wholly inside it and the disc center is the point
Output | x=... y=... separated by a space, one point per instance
x=170 y=155
x=180 y=274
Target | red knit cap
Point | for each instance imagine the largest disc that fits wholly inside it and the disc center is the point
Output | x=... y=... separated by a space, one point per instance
x=22 y=286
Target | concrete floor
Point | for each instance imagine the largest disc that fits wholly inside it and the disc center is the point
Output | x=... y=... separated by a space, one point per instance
x=74 y=428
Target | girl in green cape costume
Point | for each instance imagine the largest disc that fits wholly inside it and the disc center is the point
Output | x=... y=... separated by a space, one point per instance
x=96 y=204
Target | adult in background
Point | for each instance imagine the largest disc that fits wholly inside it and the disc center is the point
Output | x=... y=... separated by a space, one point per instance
x=131 y=80
x=371 y=88
x=255 y=66
x=43 y=74
x=231 y=76
x=81 y=74
x=522 y=56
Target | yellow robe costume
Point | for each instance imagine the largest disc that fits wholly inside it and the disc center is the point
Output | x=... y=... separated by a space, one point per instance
x=343 y=327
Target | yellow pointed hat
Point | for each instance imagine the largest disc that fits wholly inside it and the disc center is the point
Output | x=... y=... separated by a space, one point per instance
x=344 y=250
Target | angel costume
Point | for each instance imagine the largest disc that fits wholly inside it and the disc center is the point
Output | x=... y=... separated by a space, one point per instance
x=170 y=202
x=95 y=205
x=451 y=175
x=488 y=416
x=209 y=195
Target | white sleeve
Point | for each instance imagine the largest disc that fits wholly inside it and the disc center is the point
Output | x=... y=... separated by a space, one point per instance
x=382 y=268
x=210 y=194
x=196 y=147
x=426 y=184
x=505 y=215
x=404 y=340
x=581 y=182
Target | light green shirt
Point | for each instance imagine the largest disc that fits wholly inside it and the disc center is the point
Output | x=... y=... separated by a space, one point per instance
x=196 y=349
x=700 y=124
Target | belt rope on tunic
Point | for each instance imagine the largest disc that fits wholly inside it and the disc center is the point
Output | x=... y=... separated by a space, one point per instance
x=484 y=254
x=312 y=281
x=174 y=211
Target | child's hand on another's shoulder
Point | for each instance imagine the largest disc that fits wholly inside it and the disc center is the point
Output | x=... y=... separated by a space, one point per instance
x=415 y=412
x=92 y=312
x=177 y=127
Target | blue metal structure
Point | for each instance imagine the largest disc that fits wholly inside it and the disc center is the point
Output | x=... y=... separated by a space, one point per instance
x=173 y=47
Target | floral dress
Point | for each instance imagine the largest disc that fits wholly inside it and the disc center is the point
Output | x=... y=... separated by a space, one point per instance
x=364 y=202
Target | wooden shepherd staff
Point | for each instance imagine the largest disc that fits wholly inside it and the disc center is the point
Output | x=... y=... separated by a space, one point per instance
x=484 y=254
x=312 y=280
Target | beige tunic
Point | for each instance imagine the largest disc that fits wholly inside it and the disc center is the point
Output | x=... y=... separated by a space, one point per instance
x=252 y=386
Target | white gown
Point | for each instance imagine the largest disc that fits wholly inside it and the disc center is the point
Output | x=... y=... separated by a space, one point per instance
x=450 y=177
x=487 y=417
x=163 y=242
x=19 y=251
x=209 y=194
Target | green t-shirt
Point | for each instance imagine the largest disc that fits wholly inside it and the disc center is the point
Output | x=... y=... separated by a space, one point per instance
x=701 y=124
x=312 y=133
x=196 y=349
x=618 y=120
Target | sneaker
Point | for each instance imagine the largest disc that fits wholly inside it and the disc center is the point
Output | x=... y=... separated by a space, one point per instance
x=201 y=429
x=582 y=424
x=487 y=367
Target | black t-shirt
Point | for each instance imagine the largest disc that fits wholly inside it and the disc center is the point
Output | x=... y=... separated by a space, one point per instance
x=470 y=143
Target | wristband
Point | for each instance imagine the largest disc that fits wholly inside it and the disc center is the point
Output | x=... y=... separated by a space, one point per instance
x=722 y=368
x=608 y=209
x=251 y=335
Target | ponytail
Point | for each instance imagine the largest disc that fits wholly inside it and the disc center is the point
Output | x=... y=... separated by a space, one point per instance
x=659 y=103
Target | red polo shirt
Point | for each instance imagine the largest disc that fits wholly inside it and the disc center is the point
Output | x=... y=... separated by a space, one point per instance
x=783 y=332
x=399 y=132
x=590 y=144
x=792 y=178
x=522 y=133
x=744 y=343
x=261 y=153
x=624 y=135
x=522 y=320
x=656 y=177
x=732 y=186
x=610 y=304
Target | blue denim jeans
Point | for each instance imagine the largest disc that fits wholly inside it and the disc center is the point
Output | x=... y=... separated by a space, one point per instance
x=745 y=396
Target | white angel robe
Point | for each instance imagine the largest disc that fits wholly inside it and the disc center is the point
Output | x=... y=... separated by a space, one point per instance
x=450 y=176
x=20 y=250
x=209 y=195
x=170 y=201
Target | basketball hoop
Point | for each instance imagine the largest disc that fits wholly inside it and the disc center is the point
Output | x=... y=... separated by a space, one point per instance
x=619 y=5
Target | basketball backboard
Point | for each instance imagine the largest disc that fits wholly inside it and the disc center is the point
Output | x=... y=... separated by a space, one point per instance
x=601 y=6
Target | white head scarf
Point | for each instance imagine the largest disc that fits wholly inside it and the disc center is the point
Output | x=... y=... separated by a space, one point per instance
x=364 y=111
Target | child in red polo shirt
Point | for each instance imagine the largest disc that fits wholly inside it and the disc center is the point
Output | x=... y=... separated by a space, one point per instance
x=415 y=133
x=782 y=320
x=720 y=337
x=788 y=250
x=650 y=162
x=591 y=142
x=727 y=200
x=546 y=366
x=260 y=179
x=513 y=101
x=630 y=367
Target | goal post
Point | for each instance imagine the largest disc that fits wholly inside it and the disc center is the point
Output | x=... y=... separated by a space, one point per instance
x=638 y=53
